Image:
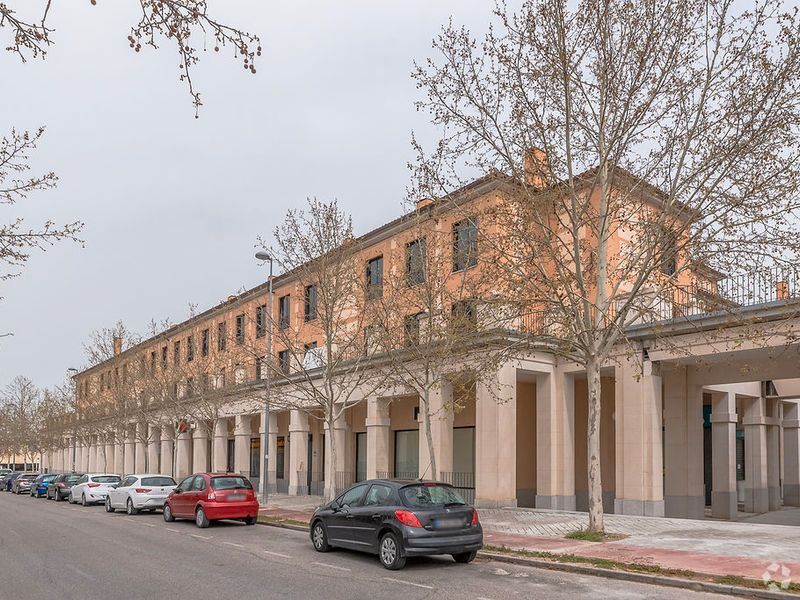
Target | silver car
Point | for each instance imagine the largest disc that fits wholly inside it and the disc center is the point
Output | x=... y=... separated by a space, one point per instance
x=140 y=492
x=92 y=488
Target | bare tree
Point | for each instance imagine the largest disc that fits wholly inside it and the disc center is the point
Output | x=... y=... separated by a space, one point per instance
x=17 y=239
x=180 y=22
x=638 y=145
x=316 y=248
x=433 y=315
x=21 y=399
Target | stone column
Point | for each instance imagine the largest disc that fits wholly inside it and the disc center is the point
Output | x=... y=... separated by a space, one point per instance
x=167 y=446
x=756 y=495
x=341 y=430
x=91 y=451
x=200 y=447
x=684 y=494
x=441 y=408
x=495 y=439
x=298 y=456
x=272 y=441
x=130 y=452
x=219 y=458
x=119 y=454
x=153 y=451
x=791 y=453
x=109 y=463
x=140 y=453
x=378 y=438
x=773 y=454
x=639 y=479
x=555 y=441
x=724 y=502
x=183 y=455
x=241 y=432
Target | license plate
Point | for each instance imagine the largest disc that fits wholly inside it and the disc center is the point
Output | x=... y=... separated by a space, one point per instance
x=235 y=497
x=447 y=523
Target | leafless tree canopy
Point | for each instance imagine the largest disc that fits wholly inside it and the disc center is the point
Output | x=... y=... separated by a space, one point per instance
x=642 y=143
x=180 y=22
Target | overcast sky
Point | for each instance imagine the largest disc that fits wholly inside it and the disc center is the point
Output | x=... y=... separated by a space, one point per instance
x=173 y=204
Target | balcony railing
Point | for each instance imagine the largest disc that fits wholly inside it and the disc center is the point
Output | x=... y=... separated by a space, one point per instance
x=683 y=301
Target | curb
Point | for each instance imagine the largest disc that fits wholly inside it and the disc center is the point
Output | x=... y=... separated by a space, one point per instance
x=662 y=580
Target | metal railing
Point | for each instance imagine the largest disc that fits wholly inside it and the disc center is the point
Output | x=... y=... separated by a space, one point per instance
x=463 y=482
x=344 y=479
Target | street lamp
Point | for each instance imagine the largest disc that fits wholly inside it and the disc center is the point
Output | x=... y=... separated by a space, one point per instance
x=263 y=256
x=74 y=372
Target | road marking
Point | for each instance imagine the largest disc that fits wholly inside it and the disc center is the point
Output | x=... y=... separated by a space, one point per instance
x=277 y=554
x=14 y=532
x=419 y=585
x=201 y=537
x=331 y=566
x=232 y=544
x=149 y=525
x=81 y=573
x=173 y=530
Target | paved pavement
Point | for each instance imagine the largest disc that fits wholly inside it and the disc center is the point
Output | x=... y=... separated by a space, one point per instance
x=745 y=548
x=70 y=552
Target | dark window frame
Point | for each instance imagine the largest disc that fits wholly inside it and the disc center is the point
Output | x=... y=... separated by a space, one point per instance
x=415 y=274
x=374 y=277
x=284 y=311
x=222 y=336
x=205 y=342
x=465 y=244
x=310 y=303
x=240 y=326
x=261 y=321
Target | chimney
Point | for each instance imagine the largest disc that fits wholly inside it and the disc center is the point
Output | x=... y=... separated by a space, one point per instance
x=117 y=345
x=536 y=168
x=423 y=202
x=232 y=297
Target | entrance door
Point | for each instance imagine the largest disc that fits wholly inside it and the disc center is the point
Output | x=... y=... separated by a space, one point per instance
x=310 y=458
x=231 y=456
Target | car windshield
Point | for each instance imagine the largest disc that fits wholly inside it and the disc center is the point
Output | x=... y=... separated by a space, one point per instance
x=105 y=479
x=429 y=494
x=49 y=477
x=230 y=483
x=158 y=481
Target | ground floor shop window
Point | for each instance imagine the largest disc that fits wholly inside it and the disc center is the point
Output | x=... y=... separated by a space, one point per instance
x=406 y=454
x=361 y=456
x=279 y=457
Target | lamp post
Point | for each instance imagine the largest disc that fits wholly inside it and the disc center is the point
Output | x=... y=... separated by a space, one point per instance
x=74 y=372
x=263 y=256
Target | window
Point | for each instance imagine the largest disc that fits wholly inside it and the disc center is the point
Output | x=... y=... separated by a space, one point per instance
x=176 y=353
x=352 y=497
x=465 y=244
x=163 y=357
x=190 y=348
x=261 y=367
x=205 y=339
x=190 y=386
x=464 y=315
x=221 y=378
x=186 y=484
x=375 y=277
x=102 y=381
x=153 y=362
x=231 y=482
x=307 y=347
x=124 y=373
x=261 y=321
x=427 y=495
x=415 y=261
x=378 y=495
x=411 y=330
x=205 y=382
x=283 y=361
x=222 y=336
x=284 y=308
x=199 y=484
x=240 y=329
x=669 y=252
x=310 y=303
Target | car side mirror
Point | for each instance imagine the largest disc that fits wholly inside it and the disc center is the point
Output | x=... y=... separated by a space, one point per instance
x=177 y=491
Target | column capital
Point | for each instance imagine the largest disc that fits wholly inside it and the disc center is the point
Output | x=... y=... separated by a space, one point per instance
x=723 y=417
x=791 y=423
x=755 y=420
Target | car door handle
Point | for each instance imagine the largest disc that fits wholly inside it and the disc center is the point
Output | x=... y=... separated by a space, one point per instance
x=348 y=516
x=376 y=517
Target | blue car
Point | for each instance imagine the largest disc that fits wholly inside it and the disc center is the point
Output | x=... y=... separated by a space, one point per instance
x=39 y=485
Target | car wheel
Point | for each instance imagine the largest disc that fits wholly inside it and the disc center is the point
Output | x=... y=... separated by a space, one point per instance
x=250 y=520
x=168 y=514
x=83 y=500
x=109 y=508
x=389 y=552
x=465 y=557
x=200 y=518
x=319 y=538
x=131 y=508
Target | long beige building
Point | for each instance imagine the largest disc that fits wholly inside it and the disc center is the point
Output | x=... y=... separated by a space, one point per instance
x=700 y=419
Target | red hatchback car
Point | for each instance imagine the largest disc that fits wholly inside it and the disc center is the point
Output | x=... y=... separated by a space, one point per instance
x=207 y=497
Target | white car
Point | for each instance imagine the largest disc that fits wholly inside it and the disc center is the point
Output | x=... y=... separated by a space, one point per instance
x=92 y=488
x=140 y=492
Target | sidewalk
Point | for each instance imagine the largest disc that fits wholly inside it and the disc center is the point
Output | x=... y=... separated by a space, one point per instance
x=717 y=548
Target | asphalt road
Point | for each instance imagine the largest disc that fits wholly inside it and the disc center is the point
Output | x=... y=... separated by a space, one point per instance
x=58 y=551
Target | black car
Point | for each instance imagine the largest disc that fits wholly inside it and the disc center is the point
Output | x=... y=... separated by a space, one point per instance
x=8 y=481
x=396 y=519
x=59 y=489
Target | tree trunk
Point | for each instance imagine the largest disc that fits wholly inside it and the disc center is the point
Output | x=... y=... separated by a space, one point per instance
x=593 y=449
x=330 y=464
x=426 y=414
